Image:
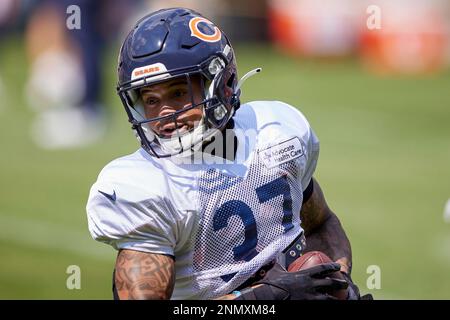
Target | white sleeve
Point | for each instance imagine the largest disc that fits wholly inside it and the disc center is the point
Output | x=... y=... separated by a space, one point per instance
x=312 y=156
x=145 y=225
x=301 y=127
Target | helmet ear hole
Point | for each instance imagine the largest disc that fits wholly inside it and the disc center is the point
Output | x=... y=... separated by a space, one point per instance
x=231 y=80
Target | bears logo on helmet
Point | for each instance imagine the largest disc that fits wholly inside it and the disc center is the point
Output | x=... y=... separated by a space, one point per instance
x=196 y=32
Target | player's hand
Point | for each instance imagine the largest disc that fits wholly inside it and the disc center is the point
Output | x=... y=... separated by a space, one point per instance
x=308 y=284
x=353 y=290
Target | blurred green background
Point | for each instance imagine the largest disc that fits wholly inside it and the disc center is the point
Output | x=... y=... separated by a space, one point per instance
x=384 y=168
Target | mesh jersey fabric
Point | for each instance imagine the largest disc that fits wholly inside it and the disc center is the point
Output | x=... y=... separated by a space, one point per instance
x=221 y=222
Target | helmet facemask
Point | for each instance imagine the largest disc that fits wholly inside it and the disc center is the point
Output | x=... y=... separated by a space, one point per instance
x=216 y=110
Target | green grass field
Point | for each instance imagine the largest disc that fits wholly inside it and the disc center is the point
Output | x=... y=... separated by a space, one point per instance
x=384 y=168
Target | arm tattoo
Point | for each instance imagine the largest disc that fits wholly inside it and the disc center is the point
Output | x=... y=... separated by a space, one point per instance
x=141 y=275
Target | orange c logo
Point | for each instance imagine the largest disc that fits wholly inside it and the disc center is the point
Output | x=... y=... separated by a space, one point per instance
x=195 y=31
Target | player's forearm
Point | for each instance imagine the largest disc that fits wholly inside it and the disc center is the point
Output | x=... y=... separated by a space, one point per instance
x=331 y=239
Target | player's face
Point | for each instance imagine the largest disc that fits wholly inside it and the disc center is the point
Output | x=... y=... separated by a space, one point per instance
x=165 y=98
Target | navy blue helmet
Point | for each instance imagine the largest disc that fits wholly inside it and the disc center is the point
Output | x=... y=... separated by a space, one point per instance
x=172 y=43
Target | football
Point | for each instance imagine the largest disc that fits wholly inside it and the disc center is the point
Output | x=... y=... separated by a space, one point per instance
x=313 y=258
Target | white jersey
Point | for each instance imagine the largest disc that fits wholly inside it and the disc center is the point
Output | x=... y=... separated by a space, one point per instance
x=221 y=222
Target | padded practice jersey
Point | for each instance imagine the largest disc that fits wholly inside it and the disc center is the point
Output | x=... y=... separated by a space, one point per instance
x=221 y=220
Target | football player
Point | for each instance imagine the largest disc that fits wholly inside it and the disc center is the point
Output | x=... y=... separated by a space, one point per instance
x=220 y=195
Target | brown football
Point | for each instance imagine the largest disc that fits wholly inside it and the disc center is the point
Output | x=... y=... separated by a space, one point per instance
x=313 y=258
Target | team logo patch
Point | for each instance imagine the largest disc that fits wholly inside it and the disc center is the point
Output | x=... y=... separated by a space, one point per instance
x=194 y=24
x=283 y=152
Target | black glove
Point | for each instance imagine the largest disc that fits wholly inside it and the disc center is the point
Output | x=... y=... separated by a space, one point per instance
x=353 y=290
x=308 y=284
